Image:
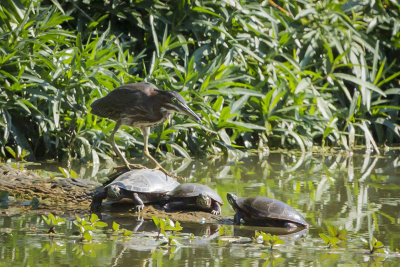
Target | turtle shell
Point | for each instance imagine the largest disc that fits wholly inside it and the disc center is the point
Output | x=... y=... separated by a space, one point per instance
x=263 y=208
x=145 y=181
x=193 y=190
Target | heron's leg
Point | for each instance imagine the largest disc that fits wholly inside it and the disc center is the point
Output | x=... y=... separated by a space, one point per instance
x=114 y=145
x=146 y=133
x=116 y=149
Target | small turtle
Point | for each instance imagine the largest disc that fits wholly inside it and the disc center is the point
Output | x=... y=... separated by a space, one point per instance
x=142 y=186
x=194 y=196
x=265 y=211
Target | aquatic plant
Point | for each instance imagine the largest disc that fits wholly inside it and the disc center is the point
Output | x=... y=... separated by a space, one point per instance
x=118 y=231
x=68 y=173
x=374 y=245
x=224 y=230
x=90 y=249
x=87 y=225
x=165 y=224
x=53 y=221
x=271 y=259
x=52 y=247
x=267 y=239
x=334 y=236
x=18 y=154
x=322 y=73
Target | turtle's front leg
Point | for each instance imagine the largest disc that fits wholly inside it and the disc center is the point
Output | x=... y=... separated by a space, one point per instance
x=97 y=199
x=237 y=217
x=216 y=208
x=139 y=205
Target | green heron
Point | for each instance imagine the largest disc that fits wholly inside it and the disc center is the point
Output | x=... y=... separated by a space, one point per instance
x=141 y=105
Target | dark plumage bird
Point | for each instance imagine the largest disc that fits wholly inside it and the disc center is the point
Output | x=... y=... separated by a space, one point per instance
x=141 y=105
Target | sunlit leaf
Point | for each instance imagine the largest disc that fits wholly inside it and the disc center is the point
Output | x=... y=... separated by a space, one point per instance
x=100 y=224
x=87 y=236
x=127 y=233
x=115 y=226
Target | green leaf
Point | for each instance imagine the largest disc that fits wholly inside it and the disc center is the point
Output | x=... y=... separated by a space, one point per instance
x=59 y=220
x=88 y=227
x=248 y=126
x=127 y=233
x=218 y=104
x=156 y=221
x=115 y=226
x=378 y=244
x=11 y=151
x=204 y=10
x=332 y=230
x=64 y=172
x=51 y=218
x=46 y=220
x=181 y=150
x=234 y=91
x=100 y=224
x=325 y=238
x=73 y=174
x=88 y=236
x=94 y=218
x=279 y=242
x=359 y=82
x=178 y=226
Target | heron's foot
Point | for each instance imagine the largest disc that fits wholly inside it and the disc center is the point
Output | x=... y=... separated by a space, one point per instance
x=168 y=173
x=128 y=167
x=136 y=166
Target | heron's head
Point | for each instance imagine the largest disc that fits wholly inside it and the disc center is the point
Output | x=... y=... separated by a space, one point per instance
x=174 y=102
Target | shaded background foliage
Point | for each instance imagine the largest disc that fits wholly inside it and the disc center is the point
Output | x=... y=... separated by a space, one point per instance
x=316 y=73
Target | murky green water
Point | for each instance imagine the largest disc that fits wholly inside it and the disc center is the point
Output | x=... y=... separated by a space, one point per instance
x=357 y=193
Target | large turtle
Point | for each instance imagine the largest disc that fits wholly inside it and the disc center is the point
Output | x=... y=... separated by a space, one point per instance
x=194 y=196
x=142 y=186
x=265 y=211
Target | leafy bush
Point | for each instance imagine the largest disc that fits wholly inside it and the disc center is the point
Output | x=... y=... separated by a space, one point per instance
x=318 y=73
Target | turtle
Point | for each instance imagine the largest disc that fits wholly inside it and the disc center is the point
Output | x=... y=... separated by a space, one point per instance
x=194 y=196
x=265 y=211
x=140 y=185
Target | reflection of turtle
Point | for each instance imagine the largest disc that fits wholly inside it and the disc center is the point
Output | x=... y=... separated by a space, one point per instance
x=142 y=186
x=265 y=211
x=194 y=196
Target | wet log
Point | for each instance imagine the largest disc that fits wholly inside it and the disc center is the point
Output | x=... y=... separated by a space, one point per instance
x=71 y=196
x=57 y=193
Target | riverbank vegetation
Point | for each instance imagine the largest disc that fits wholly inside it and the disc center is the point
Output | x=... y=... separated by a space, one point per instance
x=261 y=74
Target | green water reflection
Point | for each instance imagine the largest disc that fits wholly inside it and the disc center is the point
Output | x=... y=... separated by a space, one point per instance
x=359 y=193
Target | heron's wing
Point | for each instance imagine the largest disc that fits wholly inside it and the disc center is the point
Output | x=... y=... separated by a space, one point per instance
x=119 y=102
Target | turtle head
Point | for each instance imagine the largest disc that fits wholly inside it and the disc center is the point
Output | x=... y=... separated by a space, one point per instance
x=203 y=201
x=114 y=192
x=232 y=199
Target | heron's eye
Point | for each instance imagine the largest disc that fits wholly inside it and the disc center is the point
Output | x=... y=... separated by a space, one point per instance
x=175 y=100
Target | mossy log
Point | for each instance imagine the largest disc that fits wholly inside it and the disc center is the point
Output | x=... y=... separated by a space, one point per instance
x=73 y=196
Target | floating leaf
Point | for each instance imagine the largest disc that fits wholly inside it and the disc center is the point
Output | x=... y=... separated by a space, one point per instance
x=115 y=226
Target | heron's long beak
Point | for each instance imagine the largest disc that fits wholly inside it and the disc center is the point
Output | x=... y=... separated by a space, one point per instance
x=183 y=108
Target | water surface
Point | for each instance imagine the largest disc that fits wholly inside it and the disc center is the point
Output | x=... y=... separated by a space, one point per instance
x=358 y=192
